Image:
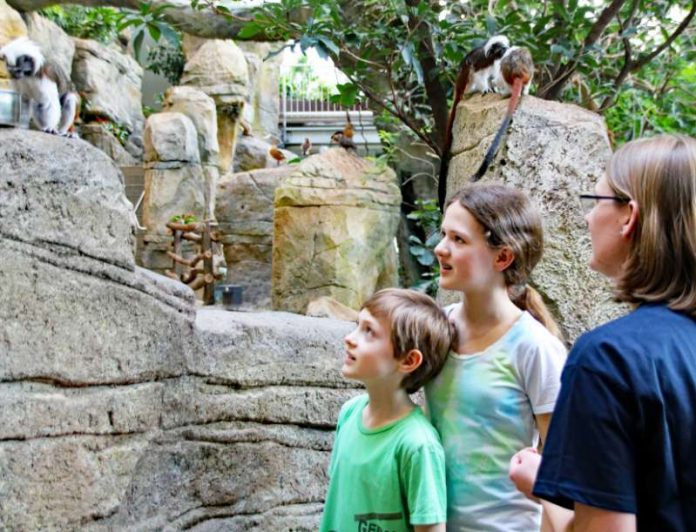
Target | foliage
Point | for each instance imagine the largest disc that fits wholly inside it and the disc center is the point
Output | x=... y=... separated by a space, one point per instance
x=148 y=19
x=98 y=23
x=403 y=55
x=103 y=24
x=427 y=217
x=662 y=102
x=186 y=218
x=167 y=59
x=119 y=131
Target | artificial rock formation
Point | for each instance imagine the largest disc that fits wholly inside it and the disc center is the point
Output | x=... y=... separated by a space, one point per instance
x=121 y=407
x=174 y=183
x=98 y=136
x=11 y=27
x=335 y=221
x=57 y=46
x=111 y=85
x=244 y=212
x=554 y=152
x=262 y=109
x=219 y=69
x=200 y=109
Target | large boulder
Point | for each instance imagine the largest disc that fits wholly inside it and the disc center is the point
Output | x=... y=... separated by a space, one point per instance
x=174 y=184
x=335 y=221
x=200 y=109
x=219 y=69
x=262 y=109
x=99 y=137
x=110 y=83
x=57 y=46
x=251 y=153
x=121 y=407
x=554 y=152
x=244 y=212
x=11 y=27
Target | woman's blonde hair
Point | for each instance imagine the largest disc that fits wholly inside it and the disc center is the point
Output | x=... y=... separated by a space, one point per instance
x=659 y=174
x=509 y=219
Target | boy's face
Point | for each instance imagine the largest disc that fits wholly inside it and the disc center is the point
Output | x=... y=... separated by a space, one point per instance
x=370 y=353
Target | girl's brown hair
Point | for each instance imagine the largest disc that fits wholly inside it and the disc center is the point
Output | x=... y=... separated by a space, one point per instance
x=509 y=219
x=659 y=174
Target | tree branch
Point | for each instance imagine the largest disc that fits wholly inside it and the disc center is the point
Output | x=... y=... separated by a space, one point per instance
x=646 y=58
x=205 y=23
x=553 y=88
x=434 y=88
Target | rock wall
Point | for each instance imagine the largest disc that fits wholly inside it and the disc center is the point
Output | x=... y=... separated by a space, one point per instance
x=244 y=212
x=121 y=407
x=335 y=220
x=554 y=152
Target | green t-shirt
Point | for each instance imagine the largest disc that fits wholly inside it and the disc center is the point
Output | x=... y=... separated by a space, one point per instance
x=385 y=479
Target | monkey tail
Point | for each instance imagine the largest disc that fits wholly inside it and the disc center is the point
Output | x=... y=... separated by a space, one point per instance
x=517 y=86
x=446 y=147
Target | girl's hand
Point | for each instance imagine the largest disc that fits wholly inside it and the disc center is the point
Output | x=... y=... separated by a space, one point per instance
x=523 y=470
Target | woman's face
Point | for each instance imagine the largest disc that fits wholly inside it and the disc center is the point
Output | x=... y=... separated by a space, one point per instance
x=607 y=222
x=467 y=262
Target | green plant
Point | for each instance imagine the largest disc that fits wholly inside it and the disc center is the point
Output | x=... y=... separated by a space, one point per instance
x=148 y=18
x=186 y=218
x=98 y=23
x=167 y=59
x=428 y=218
x=119 y=131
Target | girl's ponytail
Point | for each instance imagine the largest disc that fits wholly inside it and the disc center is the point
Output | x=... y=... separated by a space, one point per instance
x=527 y=298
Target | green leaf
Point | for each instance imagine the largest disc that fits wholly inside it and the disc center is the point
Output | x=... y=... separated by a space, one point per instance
x=433 y=240
x=138 y=41
x=154 y=32
x=249 y=30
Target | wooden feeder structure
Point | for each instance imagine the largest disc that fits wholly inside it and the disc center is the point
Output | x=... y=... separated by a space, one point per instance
x=197 y=271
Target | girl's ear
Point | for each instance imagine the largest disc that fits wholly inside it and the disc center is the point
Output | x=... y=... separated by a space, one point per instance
x=629 y=228
x=411 y=362
x=504 y=258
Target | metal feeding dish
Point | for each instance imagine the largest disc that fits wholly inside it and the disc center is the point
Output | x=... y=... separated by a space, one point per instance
x=10 y=108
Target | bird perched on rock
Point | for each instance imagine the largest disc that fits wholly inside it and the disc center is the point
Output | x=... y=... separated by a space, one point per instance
x=306 y=147
x=340 y=138
x=276 y=154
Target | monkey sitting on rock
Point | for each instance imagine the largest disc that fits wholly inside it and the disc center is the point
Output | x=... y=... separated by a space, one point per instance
x=54 y=104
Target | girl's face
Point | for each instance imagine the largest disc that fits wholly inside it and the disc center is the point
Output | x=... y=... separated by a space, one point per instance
x=607 y=224
x=467 y=262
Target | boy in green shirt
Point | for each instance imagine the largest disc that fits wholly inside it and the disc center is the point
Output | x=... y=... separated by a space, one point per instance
x=387 y=469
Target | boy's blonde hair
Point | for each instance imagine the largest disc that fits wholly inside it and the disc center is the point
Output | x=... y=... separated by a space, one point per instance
x=416 y=322
x=659 y=174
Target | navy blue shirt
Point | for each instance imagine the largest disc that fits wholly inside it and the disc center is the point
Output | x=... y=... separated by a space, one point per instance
x=623 y=434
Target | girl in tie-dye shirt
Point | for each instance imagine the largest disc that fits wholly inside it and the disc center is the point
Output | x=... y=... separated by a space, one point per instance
x=496 y=393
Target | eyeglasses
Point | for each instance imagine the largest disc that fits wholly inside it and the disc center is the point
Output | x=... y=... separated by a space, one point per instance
x=588 y=201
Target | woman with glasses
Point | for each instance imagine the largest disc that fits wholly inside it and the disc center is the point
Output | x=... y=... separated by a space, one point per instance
x=621 y=449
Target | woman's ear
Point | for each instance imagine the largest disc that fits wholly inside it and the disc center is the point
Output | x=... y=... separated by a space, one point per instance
x=504 y=258
x=629 y=228
x=411 y=362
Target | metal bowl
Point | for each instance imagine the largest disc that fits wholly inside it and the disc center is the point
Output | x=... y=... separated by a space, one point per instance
x=10 y=108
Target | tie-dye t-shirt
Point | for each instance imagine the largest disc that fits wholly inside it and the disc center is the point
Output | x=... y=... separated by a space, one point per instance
x=483 y=406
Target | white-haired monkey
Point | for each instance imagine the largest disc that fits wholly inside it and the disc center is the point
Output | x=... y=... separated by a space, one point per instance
x=54 y=102
x=476 y=72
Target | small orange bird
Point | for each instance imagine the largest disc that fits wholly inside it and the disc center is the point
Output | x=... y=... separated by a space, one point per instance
x=348 y=130
x=276 y=154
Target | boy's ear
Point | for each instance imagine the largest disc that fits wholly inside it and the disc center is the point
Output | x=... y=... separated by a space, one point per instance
x=411 y=362
x=504 y=258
